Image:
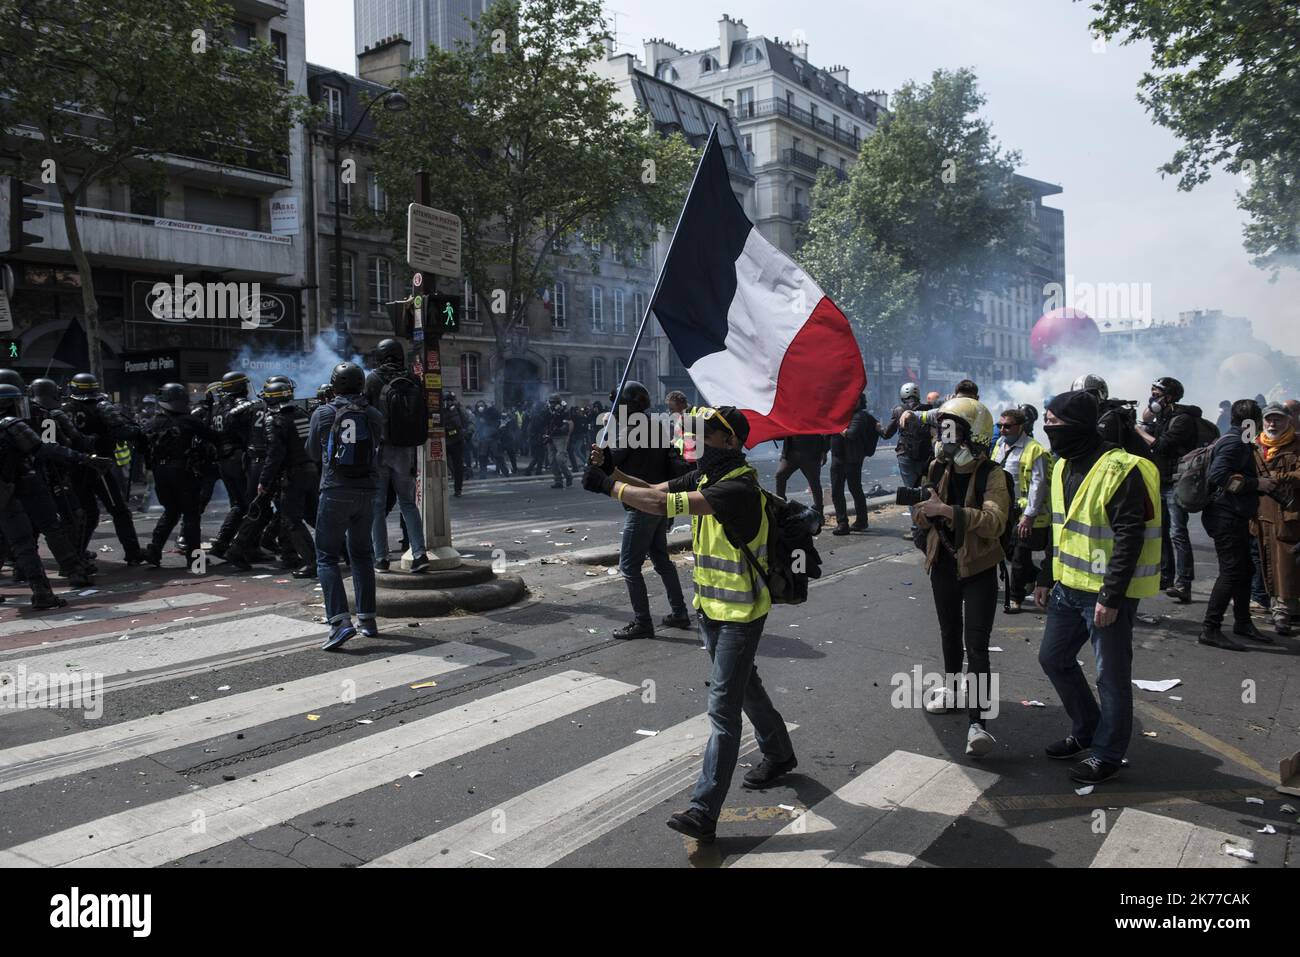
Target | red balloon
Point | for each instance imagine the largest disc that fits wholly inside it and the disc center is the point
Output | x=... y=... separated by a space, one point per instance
x=1061 y=331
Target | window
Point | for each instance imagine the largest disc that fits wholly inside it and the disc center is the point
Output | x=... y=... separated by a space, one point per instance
x=620 y=319
x=619 y=366
x=378 y=198
x=242 y=34
x=280 y=43
x=331 y=187
x=559 y=374
x=745 y=101
x=638 y=305
x=598 y=375
x=334 y=102
x=749 y=142
x=471 y=304
x=596 y=247
x=751 y=55
x=559 y=314
x=706 y=64
x=469 y=372
x=597 y=309
x=643 y=371
x=349 y=284
x=669 y=72
x=144 y=202
x=381 y=283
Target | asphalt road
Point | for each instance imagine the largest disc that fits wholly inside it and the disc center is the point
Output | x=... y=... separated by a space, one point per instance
x=526 y=736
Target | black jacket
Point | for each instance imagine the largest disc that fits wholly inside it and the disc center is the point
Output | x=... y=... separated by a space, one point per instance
x=1127 y=514
x=1176 y=433
x=286 y=445
x=861 y=441
x=804 y=449
x=915 y=441
x=104 y=424
x=21 y=448
x=1232 y=457
x=175 y=437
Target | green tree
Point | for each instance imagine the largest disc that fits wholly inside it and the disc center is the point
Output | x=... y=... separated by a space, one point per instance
x=529 y=147
x=867 y=282
x=112 y=86
x=933 y=198
x=1225 y=79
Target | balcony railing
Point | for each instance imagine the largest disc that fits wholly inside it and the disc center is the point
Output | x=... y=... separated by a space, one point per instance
x=810 y=164
x=775 y=107
x=800 y=213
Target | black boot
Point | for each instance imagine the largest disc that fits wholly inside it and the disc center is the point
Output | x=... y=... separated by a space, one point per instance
x=43 y=597
x=152 y=555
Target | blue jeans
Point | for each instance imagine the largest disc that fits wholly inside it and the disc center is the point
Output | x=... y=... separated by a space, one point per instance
x=1177 y=564
x=648 y=535
x=345 y=513
x=1069 y=627
x=397 y=466
x=734 y=686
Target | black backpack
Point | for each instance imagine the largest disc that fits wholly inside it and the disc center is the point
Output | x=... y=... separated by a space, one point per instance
x=1192 y=478
x=355 y=458
x=792 y=557
x=406 y=419
x=1207 y=433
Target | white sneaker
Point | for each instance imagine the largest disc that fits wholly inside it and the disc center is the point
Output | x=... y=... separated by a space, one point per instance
x=978 y=741
x=940 y=701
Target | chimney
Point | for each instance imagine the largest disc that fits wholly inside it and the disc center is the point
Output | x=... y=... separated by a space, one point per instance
x=730 y=32
x=840 y=73
x=386 y=62
x=657 y=50
x=799 y=46
x=606 y=44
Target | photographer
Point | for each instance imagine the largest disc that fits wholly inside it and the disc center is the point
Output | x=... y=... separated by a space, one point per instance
x=1171 y=431
x=1030 y=465
x=964 y=515
x=914 y=446
x=1235 y=486
x=1277 y=526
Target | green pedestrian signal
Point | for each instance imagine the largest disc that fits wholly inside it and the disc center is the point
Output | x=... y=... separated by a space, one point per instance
x=12 y=350
x=444 y=314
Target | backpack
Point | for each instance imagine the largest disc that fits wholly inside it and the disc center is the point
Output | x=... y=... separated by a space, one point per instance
x=357 y=458
x=406 y=420
x=1192 y=478
x=792 y=558
x=168 y=444
x=1207 y=433
x=1009 y=536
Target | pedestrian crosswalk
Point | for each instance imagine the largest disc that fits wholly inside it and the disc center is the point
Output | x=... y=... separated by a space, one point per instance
x=890 y=813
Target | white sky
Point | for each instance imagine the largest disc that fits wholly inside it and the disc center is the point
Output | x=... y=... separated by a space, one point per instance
x=1071 y=112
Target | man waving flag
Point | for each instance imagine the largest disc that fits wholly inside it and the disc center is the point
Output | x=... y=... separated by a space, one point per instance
x=751 y=327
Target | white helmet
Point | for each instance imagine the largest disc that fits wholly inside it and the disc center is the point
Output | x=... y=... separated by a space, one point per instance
x=910 y=390
x=1091 y=383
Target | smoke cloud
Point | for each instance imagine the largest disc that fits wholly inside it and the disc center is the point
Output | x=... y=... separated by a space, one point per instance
x=308 y=370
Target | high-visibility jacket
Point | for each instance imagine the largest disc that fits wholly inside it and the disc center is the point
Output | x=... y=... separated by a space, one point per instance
x=685 y=440
x=122 y=454
x=1031 y=453
x=726 y=587
x=1084 y=538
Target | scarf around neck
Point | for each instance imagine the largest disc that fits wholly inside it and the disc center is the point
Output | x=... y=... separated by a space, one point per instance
x=1273 y=446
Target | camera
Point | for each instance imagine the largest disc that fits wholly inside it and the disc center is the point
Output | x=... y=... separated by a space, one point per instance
x=910 y=496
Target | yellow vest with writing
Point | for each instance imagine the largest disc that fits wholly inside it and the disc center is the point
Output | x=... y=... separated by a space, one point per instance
x=1084 y=538
x=726 y=587
x=1032 y=452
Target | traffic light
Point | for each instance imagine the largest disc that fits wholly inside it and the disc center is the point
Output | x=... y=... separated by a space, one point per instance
x=10 y=351
x=15 y=210
x=444 y=314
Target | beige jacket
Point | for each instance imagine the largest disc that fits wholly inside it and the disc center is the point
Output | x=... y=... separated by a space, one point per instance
x=976 y=529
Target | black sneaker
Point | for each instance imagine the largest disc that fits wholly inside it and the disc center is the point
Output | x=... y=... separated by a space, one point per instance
x=307 y=571
x=840 y=530
x=568 y=480
x=768 y=772
x=1249 y=630
x=1067 y=747
x=381 y=565
x=694 y=823
x=419 y=564
x=236 y=560
x=152 y=555
x=634 y=630
x=137 y=558
x=859 y=527
x=1093 y=770
x=1215 y=638
x=44 y=600
x=676 y=621
x=557 y=485
x=1181 y=594
x=219 y=550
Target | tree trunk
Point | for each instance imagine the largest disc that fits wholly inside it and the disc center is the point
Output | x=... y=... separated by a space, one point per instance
x=89 y=304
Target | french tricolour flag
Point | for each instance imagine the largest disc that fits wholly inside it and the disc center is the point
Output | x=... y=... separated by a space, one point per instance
x=751 y=327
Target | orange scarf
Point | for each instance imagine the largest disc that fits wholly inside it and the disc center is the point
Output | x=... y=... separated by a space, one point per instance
x=1273 y=446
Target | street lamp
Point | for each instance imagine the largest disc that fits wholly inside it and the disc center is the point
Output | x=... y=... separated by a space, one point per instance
x=394 y=102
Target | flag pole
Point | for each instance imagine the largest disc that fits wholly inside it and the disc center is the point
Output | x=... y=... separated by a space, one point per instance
x=650 y=303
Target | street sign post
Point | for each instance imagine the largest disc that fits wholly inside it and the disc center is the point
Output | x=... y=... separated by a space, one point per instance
x=432 y=240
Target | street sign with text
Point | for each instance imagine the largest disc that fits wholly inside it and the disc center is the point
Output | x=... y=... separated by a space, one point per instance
x=432 y=240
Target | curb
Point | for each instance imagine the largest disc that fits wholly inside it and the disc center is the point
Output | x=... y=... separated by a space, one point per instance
x=440 y=602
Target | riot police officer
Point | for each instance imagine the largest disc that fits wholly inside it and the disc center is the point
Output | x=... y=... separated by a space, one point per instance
x=45 y=399
x=232 y=416
x=290 y=469
x=177 y=457
x=105 y=425
x=20 y=449
x=259 y=522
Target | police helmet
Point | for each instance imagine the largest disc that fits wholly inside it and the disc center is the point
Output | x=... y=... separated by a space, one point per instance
x=1091 y=383
x=234 y=383
x=84 y=387
x=347 y=379
x=174 y=397
x=45 y=393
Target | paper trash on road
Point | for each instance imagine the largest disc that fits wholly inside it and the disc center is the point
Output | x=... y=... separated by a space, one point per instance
x=313 y=717
x=645 y=733
x=88 y=591
x=416 y=774
x=1267 y=829
x=1254 y=800
x=1287 y=809
x=994 y=648
x=424 y=684
x=611 y=571
x=365 y=721
x=1085 y=790
x=224 y=688
x=1235 y=851
x=1165 y=684
x=1033 y=704
x=1148 y=734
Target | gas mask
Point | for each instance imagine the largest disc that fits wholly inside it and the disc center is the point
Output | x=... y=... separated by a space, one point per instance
x=954 y=452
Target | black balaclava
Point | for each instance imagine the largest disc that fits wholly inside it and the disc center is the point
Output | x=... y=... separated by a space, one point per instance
x=1077 y=436
x=716 y=462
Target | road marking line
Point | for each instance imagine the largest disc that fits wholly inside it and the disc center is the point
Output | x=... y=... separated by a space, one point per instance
x=90 y=615
x=1140 y=839
x=1221 y=748
x=168 y=830
x=885 y=817
x=155 y=733
x=1044 y=802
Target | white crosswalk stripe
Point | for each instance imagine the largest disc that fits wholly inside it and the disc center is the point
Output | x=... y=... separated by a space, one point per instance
x=168 y=830
x=885 y=817
x=155 y=733
x=1141 y=839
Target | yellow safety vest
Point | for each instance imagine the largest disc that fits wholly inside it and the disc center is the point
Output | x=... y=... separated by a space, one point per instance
x=122 y=453
x=726 y=587
x=1032 y=452
x=1084 y=538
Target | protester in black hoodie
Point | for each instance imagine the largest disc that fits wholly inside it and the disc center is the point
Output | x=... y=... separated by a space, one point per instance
x=1235 y=487
x=1171 y=431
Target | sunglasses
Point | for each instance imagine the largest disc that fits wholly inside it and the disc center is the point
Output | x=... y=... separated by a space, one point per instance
x=708 y=415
